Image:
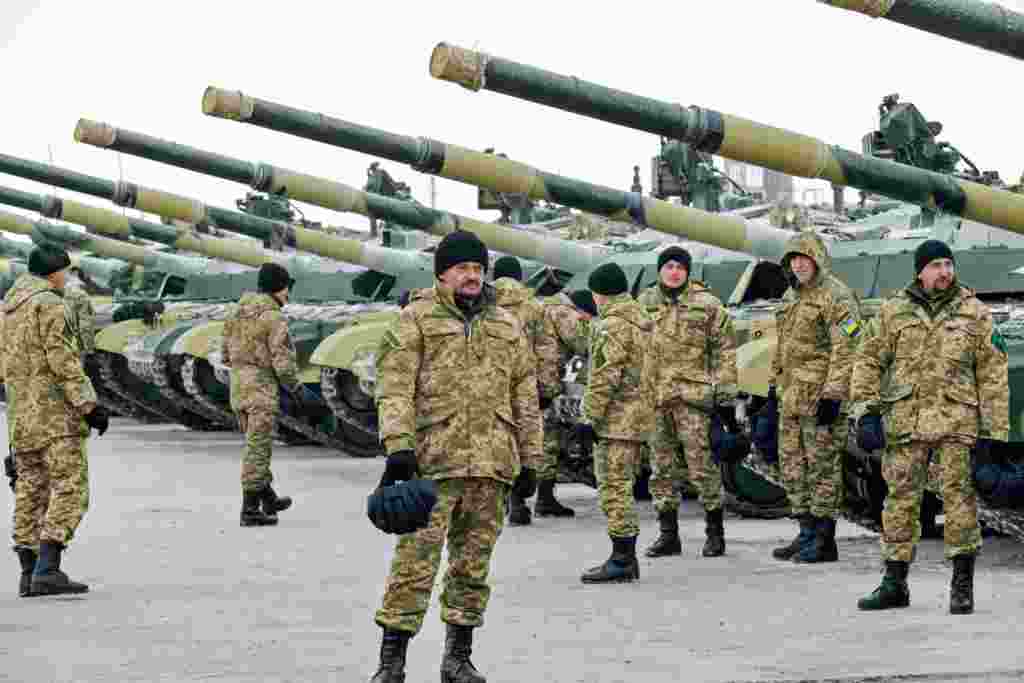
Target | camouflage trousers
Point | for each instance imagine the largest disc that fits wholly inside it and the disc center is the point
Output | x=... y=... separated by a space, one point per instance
x=258 y=427
x=810 y=458
x=548 y=470
x=471 y=513
x=52 y=493
x=681 y=445
x=615 y=463
x=906 y=471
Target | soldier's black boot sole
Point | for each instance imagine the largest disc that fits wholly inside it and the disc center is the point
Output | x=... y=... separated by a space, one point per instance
x=787 y=552
x=961 y=588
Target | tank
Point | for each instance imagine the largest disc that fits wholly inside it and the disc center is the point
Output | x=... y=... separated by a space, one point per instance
x=874 y=267
x=982 y=24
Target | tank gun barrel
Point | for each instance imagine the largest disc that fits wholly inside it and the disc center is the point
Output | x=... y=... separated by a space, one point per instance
x=729 y=136
x=69 y=238
x=504 y=175
x=338 y=196
x=191 y=211
x=12 y=249
x=982 y=24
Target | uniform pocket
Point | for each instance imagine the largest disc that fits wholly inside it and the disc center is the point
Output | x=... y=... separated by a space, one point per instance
x=899 y=412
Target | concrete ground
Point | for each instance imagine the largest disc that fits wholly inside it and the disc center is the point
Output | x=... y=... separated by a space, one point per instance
x=181 y=593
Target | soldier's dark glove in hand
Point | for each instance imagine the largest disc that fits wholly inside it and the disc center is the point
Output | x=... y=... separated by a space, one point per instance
x=98 y=419
x=727 y=414
x=585 y=435
x=525 y=484
x=401 y=466
x=10 y=470
x=870 y=433
x=828 y=412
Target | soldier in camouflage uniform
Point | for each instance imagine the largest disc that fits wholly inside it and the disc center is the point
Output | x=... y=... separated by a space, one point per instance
x=617 y=415
x=818 y=328
x=457 y=399
x=946 y=393
x=518 y=300
x=257 y=347
x=83 y=316
x=51 y=405
x=693 y=368
x=566 y=320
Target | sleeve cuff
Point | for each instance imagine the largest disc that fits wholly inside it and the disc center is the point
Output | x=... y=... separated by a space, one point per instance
x=393 y=444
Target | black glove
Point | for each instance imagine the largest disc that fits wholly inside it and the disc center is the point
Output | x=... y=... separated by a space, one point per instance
x=10 y=470
x=402 y=508
x=98 y=419
x=870 y=433
x=981 y=453
x=765 y=432
x=828 y=412
x=401 y=466
x=727 y=414
x=584 y=433
x=717 y=438
x=525 y=484
x=545 y=403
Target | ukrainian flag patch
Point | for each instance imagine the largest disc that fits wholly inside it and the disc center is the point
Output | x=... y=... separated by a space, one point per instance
x=850 y=327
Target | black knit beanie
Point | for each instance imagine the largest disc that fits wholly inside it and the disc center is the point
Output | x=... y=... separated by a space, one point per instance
x=508 y=266
x=677 y=254
x=46 y=259
x=273 y=277
x=584 y=300
x=928 y=251
x=458 y=247
x=608 y=279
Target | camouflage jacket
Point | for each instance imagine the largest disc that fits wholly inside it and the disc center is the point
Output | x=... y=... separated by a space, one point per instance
x=518 y=300
x=818 y=328
x=693 y=350
x=946 y=370
x=619 y=399
x=569 y=329
x=83 y=317
x=257 y=347
x=47 y=389
x=461 y=393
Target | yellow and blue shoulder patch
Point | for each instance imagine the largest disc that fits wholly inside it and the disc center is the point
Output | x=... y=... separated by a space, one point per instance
x=850 y=327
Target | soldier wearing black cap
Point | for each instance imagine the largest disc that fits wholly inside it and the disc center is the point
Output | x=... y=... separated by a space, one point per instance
x=51 y=407
x=457 y=399
x=258 y=348
x=617 y=415
x=693 y=370
x=945 y=398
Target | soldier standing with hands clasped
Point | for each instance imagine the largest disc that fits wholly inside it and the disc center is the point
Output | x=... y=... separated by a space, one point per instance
x=693 y=370
x=51 y=405
x=818 y=327
x=457 y=399
x=617 y=415
x=946 y=392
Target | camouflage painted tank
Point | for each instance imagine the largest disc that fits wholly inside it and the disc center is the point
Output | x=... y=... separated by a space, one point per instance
x=983 y=24
x=875 y=268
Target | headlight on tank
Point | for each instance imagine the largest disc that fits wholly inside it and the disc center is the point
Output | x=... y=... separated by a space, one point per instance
x=364 y=367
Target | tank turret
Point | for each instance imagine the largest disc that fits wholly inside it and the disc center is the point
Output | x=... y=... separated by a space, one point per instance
x=982 y=24
x=723 y=134
x=321 y=192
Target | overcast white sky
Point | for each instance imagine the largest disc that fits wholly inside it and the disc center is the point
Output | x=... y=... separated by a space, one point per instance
x=791 y=63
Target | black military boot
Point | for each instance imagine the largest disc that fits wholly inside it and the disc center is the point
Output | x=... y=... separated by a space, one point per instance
x=547 y=505
x=518 y=513
x=961 y=589
x=714 y=529
x=621 y=567
x=893 y=591
x=28 y=558
x=830 y=551
x=455 y=666
x=272 y=503
x=251 y=514
x=806 y=539
x=47 y=578
x=813 y=549
x=788 y=551
x=668 y=543
x=393 y=646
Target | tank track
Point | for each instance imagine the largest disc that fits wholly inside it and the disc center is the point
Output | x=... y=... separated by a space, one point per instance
x=344 y=415
x=160 y=375
x=111 y=384
x=114 y=404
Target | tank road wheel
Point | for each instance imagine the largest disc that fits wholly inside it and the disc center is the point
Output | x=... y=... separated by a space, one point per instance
x=354 y=410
